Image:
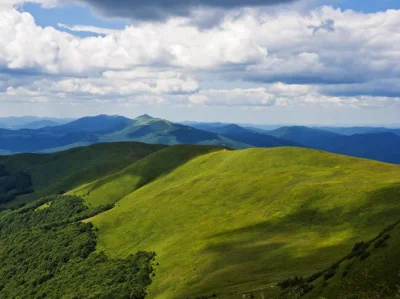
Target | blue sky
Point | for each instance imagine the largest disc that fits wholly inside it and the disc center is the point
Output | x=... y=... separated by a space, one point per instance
x=368 y=6
x=275 y=61
x=71 y=15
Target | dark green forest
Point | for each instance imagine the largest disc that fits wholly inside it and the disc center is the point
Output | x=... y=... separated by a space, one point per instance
x=13 y=184
x=46 y=252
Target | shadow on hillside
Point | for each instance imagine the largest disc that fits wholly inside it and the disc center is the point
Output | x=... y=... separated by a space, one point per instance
x=155 y=165
x=300 y=243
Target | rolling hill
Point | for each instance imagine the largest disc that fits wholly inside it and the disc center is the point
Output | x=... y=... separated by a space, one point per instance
x=229 y=222
x=60 y=172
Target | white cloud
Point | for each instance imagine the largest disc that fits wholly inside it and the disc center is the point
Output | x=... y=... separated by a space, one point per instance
x=234 y=97
x=110 y=84
x=269 y=47
x=286 y=55
x=93 y=29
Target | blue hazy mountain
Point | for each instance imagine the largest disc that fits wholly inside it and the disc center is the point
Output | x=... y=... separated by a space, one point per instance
x=103 y=128
x=361 y=130
x=31 y=122
x=246 y=135
x=377 y=146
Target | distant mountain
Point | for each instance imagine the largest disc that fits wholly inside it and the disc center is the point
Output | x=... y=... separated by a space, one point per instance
x=307 y=136
x=207 y=126
x=248 y=136
x=154 y=130
x=377 y=146
x=104 y=128
x=360 y=130
x=30 y=122
x=39 y=124
x=86 y=130
x=101 y=123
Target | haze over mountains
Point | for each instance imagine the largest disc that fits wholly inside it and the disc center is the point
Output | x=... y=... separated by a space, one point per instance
x=367 y=142
x=31 y=122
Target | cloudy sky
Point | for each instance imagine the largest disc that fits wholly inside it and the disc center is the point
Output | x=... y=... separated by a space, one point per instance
x=254 y=61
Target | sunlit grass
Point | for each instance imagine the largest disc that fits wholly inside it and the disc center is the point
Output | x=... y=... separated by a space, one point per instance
x=230 y=221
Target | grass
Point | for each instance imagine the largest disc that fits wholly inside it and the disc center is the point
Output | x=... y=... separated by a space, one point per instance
x=63 y=171
x=376 y=276
x=112 y=188
x=228 y=222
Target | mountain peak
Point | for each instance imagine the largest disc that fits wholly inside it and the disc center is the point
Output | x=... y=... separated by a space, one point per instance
x=145 y=116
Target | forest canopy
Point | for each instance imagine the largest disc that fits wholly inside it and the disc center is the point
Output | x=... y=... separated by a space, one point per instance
x=47 y=253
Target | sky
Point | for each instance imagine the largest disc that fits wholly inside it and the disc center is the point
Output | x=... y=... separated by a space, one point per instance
x=327 y=62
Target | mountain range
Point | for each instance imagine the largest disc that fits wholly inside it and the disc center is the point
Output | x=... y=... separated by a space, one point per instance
x=375 y=143
x=31 y=122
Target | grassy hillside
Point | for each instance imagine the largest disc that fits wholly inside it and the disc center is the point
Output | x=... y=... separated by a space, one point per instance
x=61 y=172
x=229 y=222
x=372 y=274
x=112 y=188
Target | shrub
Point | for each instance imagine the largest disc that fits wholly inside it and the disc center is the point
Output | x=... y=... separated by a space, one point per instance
x=290 y=282
x=315 y=276
x=381 y=242
x=330 y=273
x=364 y=255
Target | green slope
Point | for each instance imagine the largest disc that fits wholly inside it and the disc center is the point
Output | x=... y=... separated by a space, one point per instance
x=60 y=172
x=228 y=222
x=374 y=275
x=112 y=188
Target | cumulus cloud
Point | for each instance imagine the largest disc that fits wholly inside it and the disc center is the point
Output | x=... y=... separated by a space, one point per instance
x=92 y=29
x=26 y=45
x=323 y=56
x=234 y=97
x=161 y=9
x=288 y=47
x=109 y=84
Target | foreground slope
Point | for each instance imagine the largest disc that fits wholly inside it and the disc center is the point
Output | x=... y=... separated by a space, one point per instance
x=112 y=188
x=228 y=222
x=376 y=276
x=60 y=172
